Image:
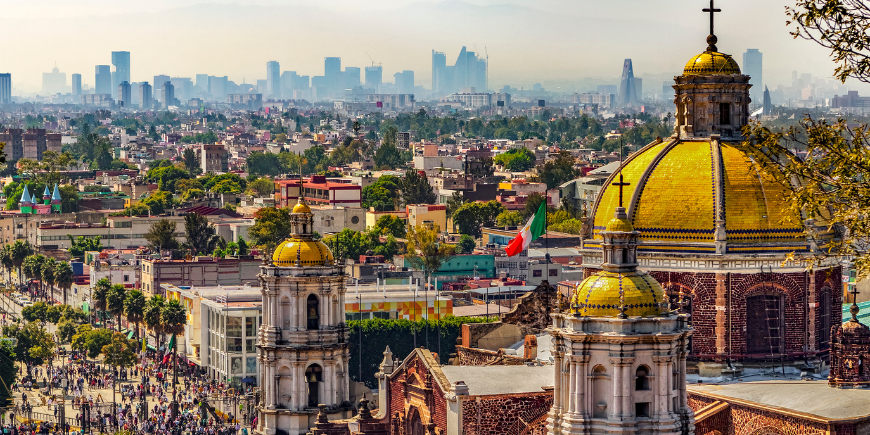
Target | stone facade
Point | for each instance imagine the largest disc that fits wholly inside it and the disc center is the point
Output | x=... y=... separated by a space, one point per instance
x=717 y=303
x=711 y=104
x=850 y=354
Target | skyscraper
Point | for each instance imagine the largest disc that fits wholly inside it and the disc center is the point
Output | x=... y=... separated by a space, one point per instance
x=374 y=77
x=332 y=72
x=168 y=95
x=5 y=88
x=752 y=67
x=54 y=82
x=103 y=79
x=352 y=77
x=76 y=84
x=404 y=81
x=121 y=60
x=124 y=95
x=638 y=88
x=202 y=83
x=159 y=80
x=273 y=79
x=439 y=73
x=145 y=95
x=766 y=107
x=627 y=92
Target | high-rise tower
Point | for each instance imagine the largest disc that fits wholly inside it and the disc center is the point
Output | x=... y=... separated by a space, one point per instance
x=752 y=67
x=103 y=79
x=303 y=345
x=439 y=73
x=121 y=60
x=76 y=84
x=125 y=98
x=627 y=91
x=273 y=79
x=5 y=88
x=767 y=108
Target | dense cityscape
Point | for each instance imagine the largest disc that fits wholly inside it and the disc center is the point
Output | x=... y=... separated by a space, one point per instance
x=357 y=254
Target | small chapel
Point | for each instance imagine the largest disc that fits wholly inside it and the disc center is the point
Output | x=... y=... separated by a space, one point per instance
x=714 y=230
x=302 y=341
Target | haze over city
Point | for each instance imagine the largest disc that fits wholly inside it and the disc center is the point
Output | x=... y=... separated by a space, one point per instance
x=571 y=45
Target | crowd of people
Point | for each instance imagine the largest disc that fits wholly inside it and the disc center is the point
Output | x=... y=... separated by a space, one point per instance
x=141 y=402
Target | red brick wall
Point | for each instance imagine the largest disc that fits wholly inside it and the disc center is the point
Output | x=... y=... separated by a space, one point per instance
x=397 y=394
x=500 y=414
x=440 y=415
x=701 y=287
x=720 y=422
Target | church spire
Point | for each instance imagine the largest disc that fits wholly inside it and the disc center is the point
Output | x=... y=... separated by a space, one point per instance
x=711 y=39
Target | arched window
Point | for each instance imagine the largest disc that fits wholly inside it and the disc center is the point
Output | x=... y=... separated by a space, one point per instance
x=313 y=311
x=313 y=378
x=600 y=388
x=764 y=325
x=286 y=312
x=641 y=380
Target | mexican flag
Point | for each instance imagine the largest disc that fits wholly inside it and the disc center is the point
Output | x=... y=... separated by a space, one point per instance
x=535 y=227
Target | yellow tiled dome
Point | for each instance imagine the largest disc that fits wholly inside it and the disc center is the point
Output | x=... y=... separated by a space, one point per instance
x=310 y=252
x=617 y=224
x=678 y=190
x=301 y=207
x=599 y=295
x=711 y=63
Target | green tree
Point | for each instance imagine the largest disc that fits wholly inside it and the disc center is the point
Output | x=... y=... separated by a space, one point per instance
x=262 y=187
x=166 y=177
x=466 y=245
x=271 y=227
x=201 y=236
x=115 y=302
x=64 y=277
x=152 y=316
x=388 y=156
x=243 y=246
x=509 y=219
x=382 y=194
x=570 y=226
x=425 y=252
x=161 y=236
x=100 y=295
x=134 y=308
x=47 y=272
x=558 y=170
x=516 y=159
x=389 y=224
x=471 y=217
x=90 y=340
x=38 y=312
x=173 y=319
x=33 y=266
x=20 y=251
x=82 y=244
x=533 y=203
x=416 y=188
x=191 y=161
x=119 y=353
x=265 y=164
x=6 y=261
x=66 y=330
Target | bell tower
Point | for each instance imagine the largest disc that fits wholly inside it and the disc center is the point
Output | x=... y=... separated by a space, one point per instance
x=303 y=339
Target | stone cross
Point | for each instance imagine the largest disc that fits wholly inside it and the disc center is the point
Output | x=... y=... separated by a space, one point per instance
x=712 y=10
x=620 y=184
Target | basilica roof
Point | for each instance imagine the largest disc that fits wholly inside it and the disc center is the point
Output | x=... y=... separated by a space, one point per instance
x=309 y=252
x=678 y=189
x=711 y=63
x=602 y=294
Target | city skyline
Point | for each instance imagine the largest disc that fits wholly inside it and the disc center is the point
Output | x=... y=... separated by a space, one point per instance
x=559 y=50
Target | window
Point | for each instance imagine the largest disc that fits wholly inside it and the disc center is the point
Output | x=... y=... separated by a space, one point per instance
x=250 y=345
x=381 y=315
x=641 y=380
x=354 y=220
x=126 y=278
x=554 y=272
x=249 y=327
x=724 y=114
x=641 y=409
x=313 y=312
x=537 y=273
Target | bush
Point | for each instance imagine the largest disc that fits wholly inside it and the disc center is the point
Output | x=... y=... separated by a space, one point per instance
x=398 y=334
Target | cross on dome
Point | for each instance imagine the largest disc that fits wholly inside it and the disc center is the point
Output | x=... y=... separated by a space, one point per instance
x=711 y=40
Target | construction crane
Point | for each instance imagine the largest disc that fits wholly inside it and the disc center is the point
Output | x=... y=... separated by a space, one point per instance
x=370 y=58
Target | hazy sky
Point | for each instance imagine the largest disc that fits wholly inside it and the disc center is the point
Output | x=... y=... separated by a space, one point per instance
x=549 y=41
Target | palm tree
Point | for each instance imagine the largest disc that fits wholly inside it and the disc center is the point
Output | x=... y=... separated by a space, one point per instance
x=152 y=316
x=20 y=251
x=134 y=308
x=32 y=266
x=47 y=269
x=174 y=319
x=6 y=261
x=100 y=294
x=115 y=302
x=64 y=277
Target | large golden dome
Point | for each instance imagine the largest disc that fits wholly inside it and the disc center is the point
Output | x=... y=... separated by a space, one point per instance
x=309 y=252
x=711 y=63
x=601 y=295
x=677 y=191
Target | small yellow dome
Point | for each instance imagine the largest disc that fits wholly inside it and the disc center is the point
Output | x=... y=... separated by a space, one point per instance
x=621 y=225
x=310 y=253
x=599 y=295
x=711 y=63
x=301 y=207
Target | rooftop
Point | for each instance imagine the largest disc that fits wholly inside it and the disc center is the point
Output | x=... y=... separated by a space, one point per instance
x=489 y=380
x=814 y=398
